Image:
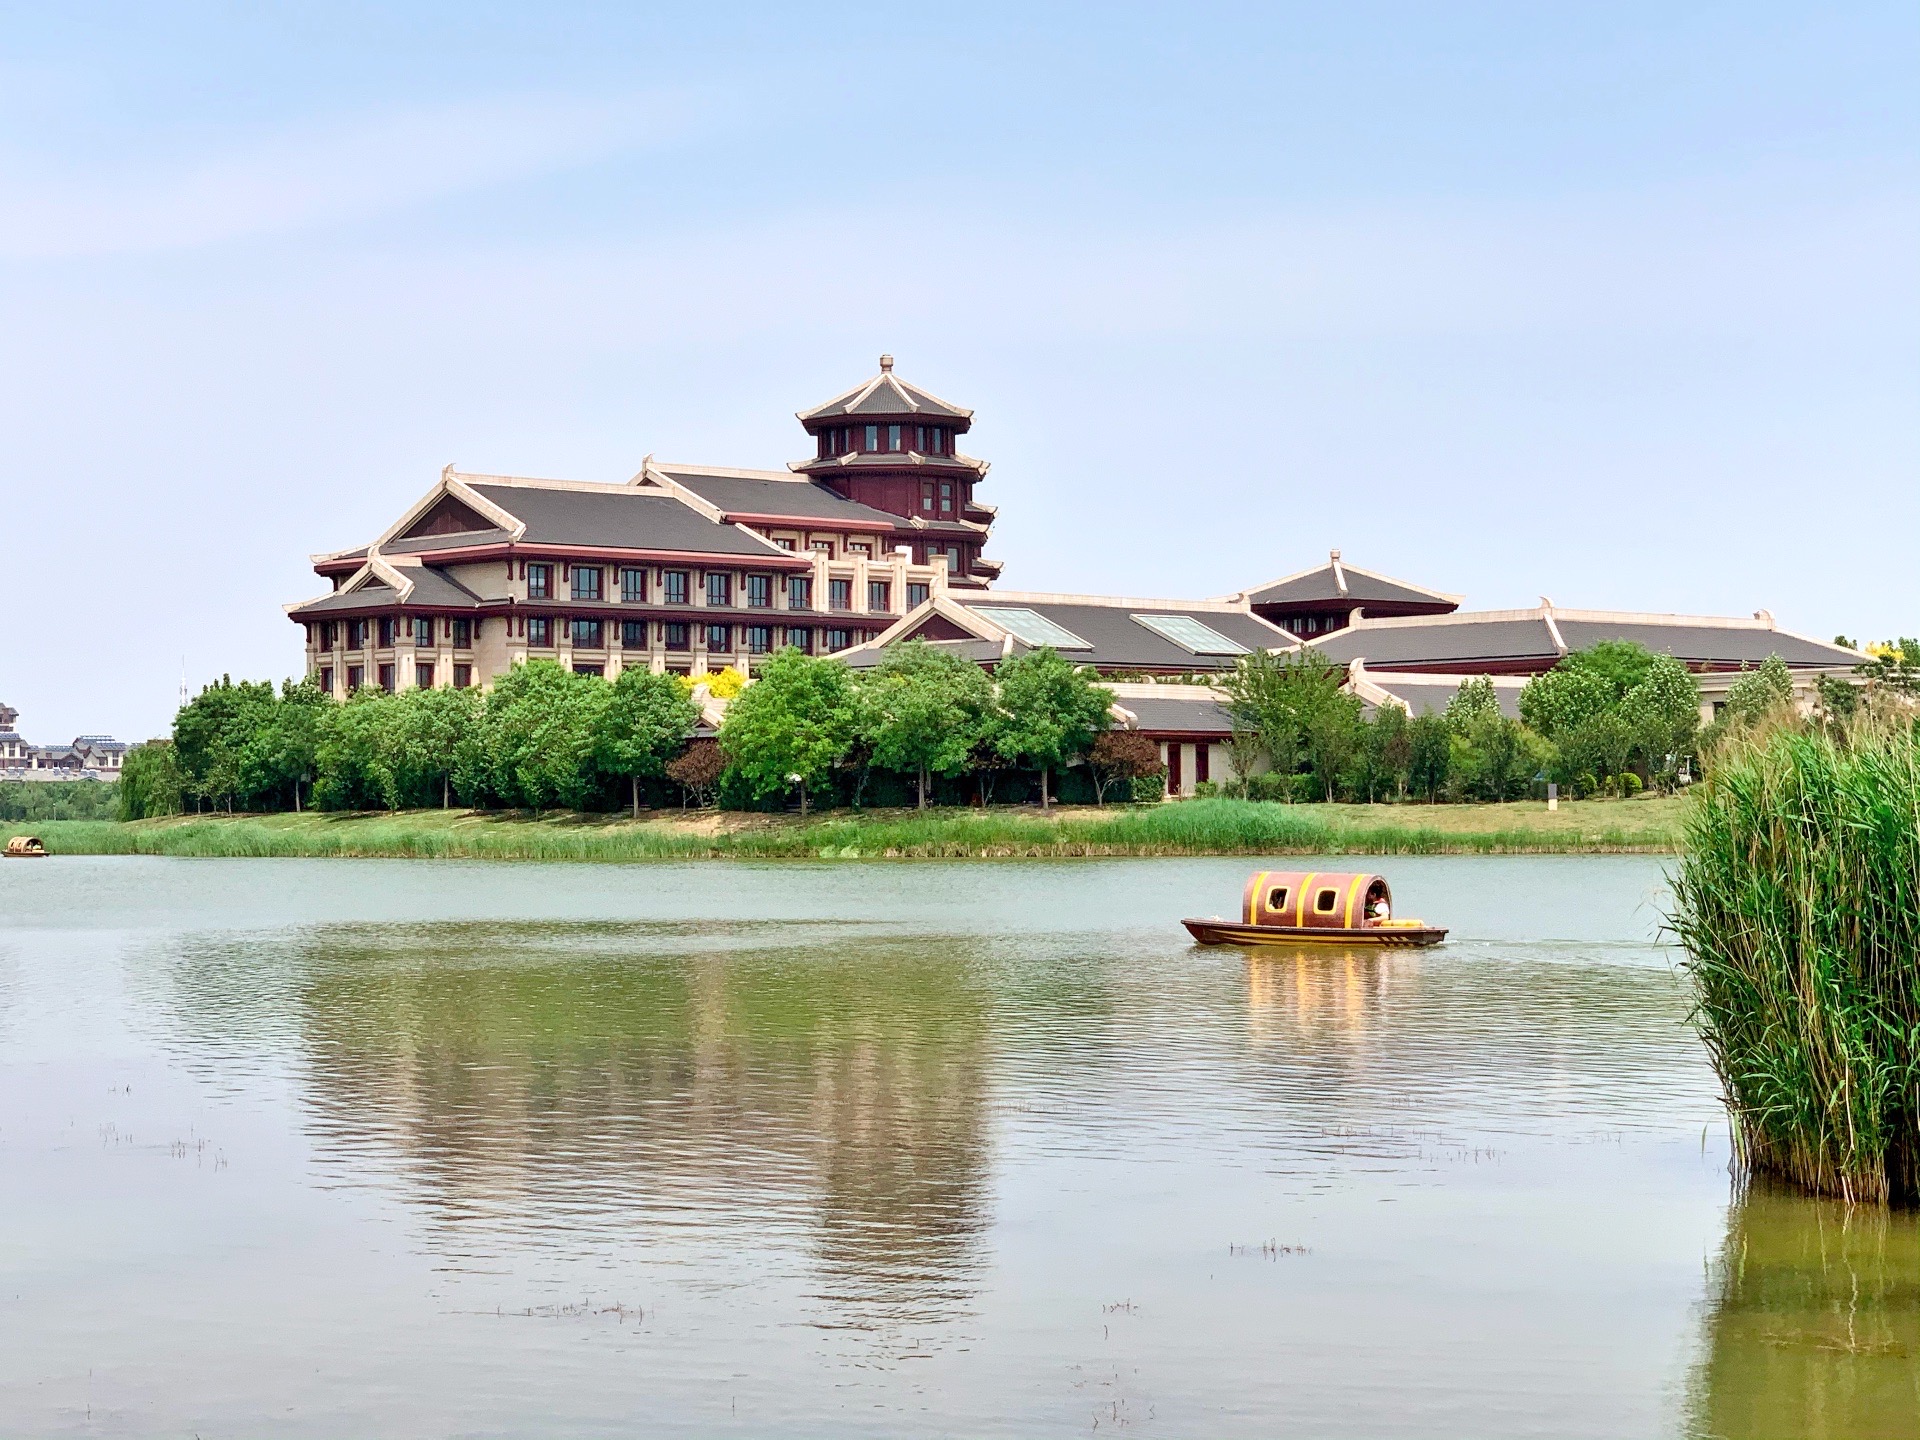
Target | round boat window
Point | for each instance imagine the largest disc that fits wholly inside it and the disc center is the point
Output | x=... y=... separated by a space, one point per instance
x=1324 y=901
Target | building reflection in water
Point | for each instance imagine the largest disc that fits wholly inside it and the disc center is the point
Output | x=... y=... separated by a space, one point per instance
x=1812 y=1325
x=597 y=1084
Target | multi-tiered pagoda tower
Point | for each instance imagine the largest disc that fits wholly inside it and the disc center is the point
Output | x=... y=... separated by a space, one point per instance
x=895 y=447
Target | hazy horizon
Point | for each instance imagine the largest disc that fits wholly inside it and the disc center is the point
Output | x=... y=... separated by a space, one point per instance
x=1614 y=306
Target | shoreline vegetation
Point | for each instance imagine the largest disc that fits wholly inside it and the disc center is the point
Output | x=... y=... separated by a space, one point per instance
x=1798 y=901
x=1648 y=825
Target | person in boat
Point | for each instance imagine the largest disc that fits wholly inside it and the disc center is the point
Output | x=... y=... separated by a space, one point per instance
x=1378 y=911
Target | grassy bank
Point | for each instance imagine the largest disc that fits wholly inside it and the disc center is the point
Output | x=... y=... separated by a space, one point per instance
x=1798 y=900
x=1206 y=827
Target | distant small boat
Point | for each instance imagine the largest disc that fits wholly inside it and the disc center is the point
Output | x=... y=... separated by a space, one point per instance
x=1291 y=907
x=24 y=847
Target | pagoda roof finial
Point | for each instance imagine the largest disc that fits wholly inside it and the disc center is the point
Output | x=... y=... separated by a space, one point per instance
x=886 y=364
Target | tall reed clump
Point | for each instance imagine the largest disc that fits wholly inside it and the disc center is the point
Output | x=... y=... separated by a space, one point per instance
x=1798 y=900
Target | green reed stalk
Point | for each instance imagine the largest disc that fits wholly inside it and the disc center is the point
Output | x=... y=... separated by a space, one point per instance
x=1798 y=900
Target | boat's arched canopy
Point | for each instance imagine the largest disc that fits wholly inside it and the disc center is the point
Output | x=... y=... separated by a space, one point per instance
x=1317 y=899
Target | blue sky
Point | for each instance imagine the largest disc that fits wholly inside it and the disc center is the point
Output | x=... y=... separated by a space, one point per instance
x=1619 y=304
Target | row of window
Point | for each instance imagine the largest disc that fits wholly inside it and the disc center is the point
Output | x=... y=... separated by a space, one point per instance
x=885 y=439
x=756 y=591
x=678 y=635
x=417 y=630
x=538 y=629
x=425 y=675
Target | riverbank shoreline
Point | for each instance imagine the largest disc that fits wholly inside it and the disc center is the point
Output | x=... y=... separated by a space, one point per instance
x=1205 y=827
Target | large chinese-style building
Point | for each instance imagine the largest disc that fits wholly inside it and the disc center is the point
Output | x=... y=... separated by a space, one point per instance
x=877 y=537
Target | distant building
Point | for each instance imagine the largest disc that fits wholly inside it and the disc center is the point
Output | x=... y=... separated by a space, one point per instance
x=876 y=538
x=89 y=757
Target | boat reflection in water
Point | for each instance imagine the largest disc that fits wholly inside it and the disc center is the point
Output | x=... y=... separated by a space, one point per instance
x=1318 y=990
x=1812 y=1324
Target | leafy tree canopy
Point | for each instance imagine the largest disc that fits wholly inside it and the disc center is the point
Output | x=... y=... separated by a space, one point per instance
x=792 y=725
x=923 y=711
x=1050 y=710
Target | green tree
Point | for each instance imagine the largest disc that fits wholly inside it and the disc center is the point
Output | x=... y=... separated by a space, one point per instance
x=792 y=725
x=643 y=726
x=1475 y=700
x=435 y=732
x=1385 y=755
x=1621 y=664
x=1494 y=758
x=280 y=757
x=1050 y=710
x=150 y=781
x=1662 y=712
x=1895 y=667
x=540 y=725
x=1429 y=755
x=923 y=710
x=1294 y=704
x=1565 y=697
x=211 y=735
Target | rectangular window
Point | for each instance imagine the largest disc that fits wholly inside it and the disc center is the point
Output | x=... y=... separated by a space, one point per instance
x=326 y=634
x=463 y=677
x=719 y=638
x=585 y=634
x=953 y=559
x=673 y=635
x=840 y=594
x=893 y=437
x=539 y=631
x=539 y=582
x=326 y=679
x=879 y=596
x=586 y=582
x=422 y=630
x=799 y=592
x=674 y=582
x=839 y=639
x=859 y=547
x=589 y=669
x=386 y=678
x=916 y=595
x=800 y=637
x=386 y=632
x=946 y=497
x=356 y=677
x=785 y=542
x=759 y=639
x=759 y=592
x=423 y=677
x=926 y=496
x=719 y=588
x=1202 y=762
x=633 y=584
x=873 y=437
x=463 y=634
x=821 y=547
x=633 y=634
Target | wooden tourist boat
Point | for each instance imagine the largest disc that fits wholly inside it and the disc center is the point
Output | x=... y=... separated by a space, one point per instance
x=23 y=847
x=1317 y=907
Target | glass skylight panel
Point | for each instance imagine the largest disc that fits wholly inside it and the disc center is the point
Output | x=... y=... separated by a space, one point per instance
x=1032 y=627
x=1189 y=634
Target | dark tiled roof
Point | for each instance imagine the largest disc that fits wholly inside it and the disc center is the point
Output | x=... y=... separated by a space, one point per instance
x=1158 y=713
x=1727 y=645
x=1321 y=586
x=367 y=597
x=1122 y=643
x=1422 y=695
x=426 y=544
x=618 y=517
x=801 y=499
x=981 y=652
x=436 y=587
x=887 y=394
x=1441 y=642
x=1510 y=636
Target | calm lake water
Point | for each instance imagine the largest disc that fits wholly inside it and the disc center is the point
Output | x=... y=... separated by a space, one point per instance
x=330 y=1148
